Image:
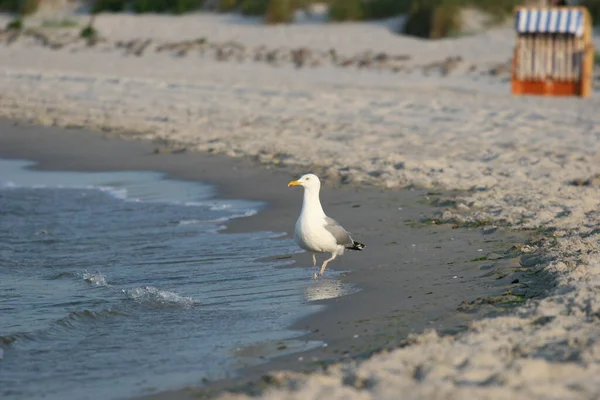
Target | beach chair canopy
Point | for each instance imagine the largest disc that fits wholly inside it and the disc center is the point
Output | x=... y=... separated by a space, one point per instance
x=567 y=21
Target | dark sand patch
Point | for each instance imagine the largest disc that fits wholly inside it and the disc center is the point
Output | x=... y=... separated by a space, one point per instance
x=411 y=276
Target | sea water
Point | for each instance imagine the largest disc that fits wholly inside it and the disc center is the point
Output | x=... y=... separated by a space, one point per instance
x=118 y=284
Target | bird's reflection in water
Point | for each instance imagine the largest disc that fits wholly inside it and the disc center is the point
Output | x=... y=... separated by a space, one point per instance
x=323 y=289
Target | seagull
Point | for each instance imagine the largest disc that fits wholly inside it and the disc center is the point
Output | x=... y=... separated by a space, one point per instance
x=315 y=231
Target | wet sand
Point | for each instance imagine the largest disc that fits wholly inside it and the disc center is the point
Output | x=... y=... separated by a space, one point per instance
x=412 y=276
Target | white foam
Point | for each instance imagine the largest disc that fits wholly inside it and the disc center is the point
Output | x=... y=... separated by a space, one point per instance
x=212 y=205
x=122 y=194
x=247 y=213
x=125 y=186
x=270 y=235
x=205 y=221
x=219 y=207
x=7 y=185
x=191 y=222
x=97 y=279
x=117 y=193
x=152 y=294
x=216 y=229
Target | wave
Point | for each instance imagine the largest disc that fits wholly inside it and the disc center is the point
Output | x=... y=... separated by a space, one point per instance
x=97 y=279
x=128 y=186
x=7 y=185
x=76 y=317
x=247 y=213
x=270 y=235
x=216 y=229
x=16 y=337
x=117 y=193
x=62 y=275
x=72 y=320
x=217 y=205
x=155 y=296
x=195 y=221
x=212 y=205
x=120 y=193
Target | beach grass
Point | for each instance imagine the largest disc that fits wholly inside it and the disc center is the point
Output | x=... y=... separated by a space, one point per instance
x=148 y=6
x=16 y=24
x=347 y=10
x=253 y=7
x=425 y=18
x=593 y=7
x=339 y=9
x=89 y=32
x=19 y=6
x=280 y=11
x=435 y=19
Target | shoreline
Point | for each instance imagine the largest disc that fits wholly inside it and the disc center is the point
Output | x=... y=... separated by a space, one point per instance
x=347 y=324
x=524 y=163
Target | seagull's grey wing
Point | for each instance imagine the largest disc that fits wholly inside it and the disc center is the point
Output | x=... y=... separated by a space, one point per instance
x=342 y=237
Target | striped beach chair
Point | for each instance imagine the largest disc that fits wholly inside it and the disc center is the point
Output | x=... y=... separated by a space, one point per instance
x=554 y=54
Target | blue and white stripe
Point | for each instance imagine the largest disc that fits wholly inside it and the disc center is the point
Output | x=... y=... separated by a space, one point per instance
x=541 y=20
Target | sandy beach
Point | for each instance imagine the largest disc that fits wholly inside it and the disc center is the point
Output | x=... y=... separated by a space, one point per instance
x=415 y=276
x=508 y=162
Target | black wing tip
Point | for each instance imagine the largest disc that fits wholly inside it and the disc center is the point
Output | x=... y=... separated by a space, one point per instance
x=356 y=246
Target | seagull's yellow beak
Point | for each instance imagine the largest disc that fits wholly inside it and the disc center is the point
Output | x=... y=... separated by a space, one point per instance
x=294 y=183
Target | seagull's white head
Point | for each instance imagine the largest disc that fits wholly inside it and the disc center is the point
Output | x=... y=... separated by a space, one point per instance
x=309 y=181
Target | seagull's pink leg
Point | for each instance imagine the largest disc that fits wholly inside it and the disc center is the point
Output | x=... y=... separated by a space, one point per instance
x=333 y=256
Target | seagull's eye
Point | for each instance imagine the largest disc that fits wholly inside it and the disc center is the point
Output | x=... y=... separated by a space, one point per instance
x=308 y=179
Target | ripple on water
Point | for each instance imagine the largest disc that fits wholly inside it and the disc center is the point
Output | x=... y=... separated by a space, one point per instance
x=155 y=242
x=328 y=289
x=8 y=340
x=74 y=318
x=62 y=275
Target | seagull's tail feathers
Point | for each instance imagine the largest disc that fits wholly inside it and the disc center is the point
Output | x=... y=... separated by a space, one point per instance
x=356 y=246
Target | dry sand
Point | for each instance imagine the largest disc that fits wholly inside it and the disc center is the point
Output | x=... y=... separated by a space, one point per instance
x=515 y=158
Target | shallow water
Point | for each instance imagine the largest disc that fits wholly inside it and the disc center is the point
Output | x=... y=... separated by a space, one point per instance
x=116 y=284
